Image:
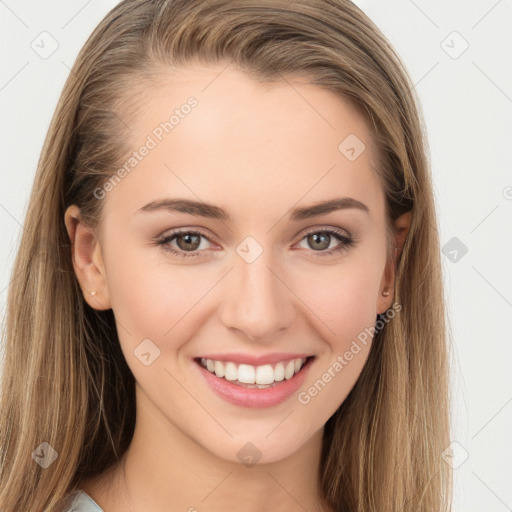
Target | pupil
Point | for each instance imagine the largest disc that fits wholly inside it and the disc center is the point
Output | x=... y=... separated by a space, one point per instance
x=188 y=240
x=316 y=237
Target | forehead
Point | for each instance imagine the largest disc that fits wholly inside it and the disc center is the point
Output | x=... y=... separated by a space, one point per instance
x=216 y=134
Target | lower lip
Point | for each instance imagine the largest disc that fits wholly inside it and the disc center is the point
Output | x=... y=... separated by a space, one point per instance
x=254 y=397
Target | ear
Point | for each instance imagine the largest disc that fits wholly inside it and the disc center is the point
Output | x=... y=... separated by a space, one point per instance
x=87 y=260
x=401 y=228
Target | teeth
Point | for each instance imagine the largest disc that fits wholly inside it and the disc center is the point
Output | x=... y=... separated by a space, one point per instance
x=231 y=372
x=247 y=374
x=289 y=370
x=279 y=372
x=264 y=374
x=219 y=369
x=259 y=376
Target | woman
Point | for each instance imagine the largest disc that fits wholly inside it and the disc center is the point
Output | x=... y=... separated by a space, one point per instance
x=228 y=290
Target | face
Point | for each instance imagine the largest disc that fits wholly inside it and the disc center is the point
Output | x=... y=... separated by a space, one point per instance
x=252 y=274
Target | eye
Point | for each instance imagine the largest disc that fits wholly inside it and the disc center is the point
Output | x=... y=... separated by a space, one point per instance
x=321 y=240
x=187 y=241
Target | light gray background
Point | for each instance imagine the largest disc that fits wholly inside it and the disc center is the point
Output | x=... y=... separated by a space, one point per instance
x=466 y=98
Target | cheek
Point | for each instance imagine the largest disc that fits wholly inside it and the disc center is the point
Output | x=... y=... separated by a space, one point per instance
x=153 y=299
x=343 y=298
x=136 y=297
x=344 y=308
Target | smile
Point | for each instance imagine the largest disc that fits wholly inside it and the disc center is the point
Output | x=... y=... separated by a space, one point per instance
x=250 y=376
x=247 y=380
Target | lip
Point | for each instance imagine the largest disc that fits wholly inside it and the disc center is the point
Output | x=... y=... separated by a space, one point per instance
x=254 y=360
x=254 y=397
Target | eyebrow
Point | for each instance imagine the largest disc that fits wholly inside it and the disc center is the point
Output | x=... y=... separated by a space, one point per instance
x=215 y=212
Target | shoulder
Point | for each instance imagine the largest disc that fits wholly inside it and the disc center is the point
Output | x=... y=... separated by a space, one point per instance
x=82 y=502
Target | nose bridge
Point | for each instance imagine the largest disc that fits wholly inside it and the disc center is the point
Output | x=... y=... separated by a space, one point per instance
x=257 y=301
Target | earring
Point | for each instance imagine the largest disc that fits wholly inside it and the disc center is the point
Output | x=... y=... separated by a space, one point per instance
x=93 y=292
x=385 y=294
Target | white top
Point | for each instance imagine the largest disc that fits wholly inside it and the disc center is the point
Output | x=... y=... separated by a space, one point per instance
x=83 y=503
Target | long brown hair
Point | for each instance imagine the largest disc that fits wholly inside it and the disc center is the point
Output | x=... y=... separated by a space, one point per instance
x=67 y=394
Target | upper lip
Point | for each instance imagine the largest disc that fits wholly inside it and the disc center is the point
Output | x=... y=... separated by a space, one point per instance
x=255 y=360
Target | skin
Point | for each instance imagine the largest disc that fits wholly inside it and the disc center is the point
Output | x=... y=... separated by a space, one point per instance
x=257 y=151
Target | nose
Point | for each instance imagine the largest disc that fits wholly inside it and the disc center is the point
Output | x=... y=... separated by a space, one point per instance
x=257 y=301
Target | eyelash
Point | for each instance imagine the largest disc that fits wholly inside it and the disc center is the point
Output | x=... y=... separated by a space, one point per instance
x=347 y=242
